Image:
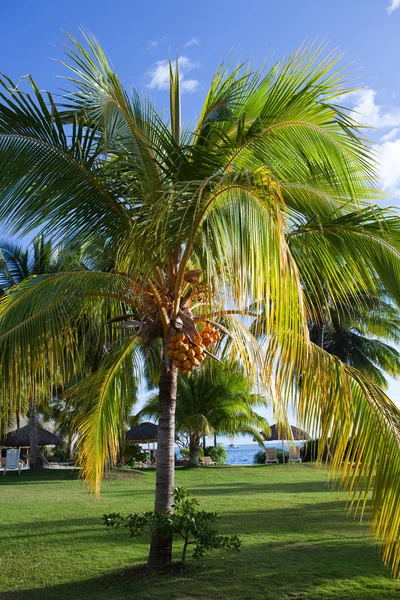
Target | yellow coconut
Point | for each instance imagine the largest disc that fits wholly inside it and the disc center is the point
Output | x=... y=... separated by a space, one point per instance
x=176 y=354
x=191 y=353
x=170 y=354
x=180 y=337
x=182 y=356
x=187 y=364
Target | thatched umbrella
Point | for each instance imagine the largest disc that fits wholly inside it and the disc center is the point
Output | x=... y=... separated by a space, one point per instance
x=20 y=438
x=145 y=432
x=298 y=434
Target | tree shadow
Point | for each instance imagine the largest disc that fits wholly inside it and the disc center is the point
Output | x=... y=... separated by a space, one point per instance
x=33 y=476
x=265 y=571
x=298 y=551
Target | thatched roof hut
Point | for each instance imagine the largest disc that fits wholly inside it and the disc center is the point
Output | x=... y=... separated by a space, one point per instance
x=143 y=433
x=298 y=434
x=20 y=438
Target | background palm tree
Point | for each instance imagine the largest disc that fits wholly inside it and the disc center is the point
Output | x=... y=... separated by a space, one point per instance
x=17 y=264
x=362 y=337
x=218 y=225
x=216 y=398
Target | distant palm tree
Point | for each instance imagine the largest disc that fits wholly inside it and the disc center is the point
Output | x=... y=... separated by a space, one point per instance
x=18 y=263
x=216 y=398
x=362 y=336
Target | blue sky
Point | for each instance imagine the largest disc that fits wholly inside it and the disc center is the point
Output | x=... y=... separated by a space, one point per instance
x=139 y=36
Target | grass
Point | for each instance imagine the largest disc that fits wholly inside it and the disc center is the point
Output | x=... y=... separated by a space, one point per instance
x=297 y=541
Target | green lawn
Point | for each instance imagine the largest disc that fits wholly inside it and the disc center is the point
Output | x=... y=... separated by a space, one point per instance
x=297 y=541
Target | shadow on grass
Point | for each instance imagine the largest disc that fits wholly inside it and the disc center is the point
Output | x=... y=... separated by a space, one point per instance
x=38 y=476
x=275 y=571
x=64 y=475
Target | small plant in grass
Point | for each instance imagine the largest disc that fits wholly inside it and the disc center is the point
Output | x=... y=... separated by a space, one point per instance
x=187 y=521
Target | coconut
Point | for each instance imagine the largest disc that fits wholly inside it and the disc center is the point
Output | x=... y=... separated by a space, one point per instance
x=182 y=356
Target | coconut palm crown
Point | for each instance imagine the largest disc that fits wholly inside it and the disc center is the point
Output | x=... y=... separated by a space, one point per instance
x=219 y=225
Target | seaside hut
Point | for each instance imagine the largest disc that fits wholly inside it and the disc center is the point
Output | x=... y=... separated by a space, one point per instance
x=145 y=433
x=20 y=439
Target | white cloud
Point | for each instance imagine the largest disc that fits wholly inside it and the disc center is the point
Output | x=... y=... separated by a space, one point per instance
x=194 y=41
x=151 y=44
x=393 y=6
x=389 y=169
x=159 y=75
x=368 y=112
x=389 y=136
x=189 y=85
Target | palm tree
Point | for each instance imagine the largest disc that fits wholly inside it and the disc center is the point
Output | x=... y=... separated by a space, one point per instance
x=215 y=398
x=17 y=264
x=360 y=337
x=198 y=219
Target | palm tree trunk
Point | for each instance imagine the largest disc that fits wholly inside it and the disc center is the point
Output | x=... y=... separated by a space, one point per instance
x=36 y=461
x=194 y=444
x=215 y=440
x=161 y=545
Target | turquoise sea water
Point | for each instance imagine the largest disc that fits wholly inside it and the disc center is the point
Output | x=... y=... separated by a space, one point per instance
x=244 y=454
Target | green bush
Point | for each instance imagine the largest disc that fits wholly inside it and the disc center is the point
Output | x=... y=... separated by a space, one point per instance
x=279 y=455
x=217 y=454
x=59 y=454
x=186 y=522
x=133 y=454
x=259 y=458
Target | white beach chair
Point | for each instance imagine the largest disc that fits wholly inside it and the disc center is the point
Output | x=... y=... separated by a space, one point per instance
x=207 y=461
x=270 y=456
x=12 y=461
x=294 y=454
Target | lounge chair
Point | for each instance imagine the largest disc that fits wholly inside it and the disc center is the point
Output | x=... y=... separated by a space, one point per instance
x=294 y=454
x=13 y=462
x=270 y=456
x=207 y=461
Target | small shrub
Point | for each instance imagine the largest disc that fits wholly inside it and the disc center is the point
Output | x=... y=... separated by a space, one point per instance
x=59 y=454
x=133 y=454
x=187 y=521
x=217 y=454
x=279 y=456
x=259 y=458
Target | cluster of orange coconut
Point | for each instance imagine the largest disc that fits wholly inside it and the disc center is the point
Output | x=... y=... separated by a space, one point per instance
x=187 y=354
